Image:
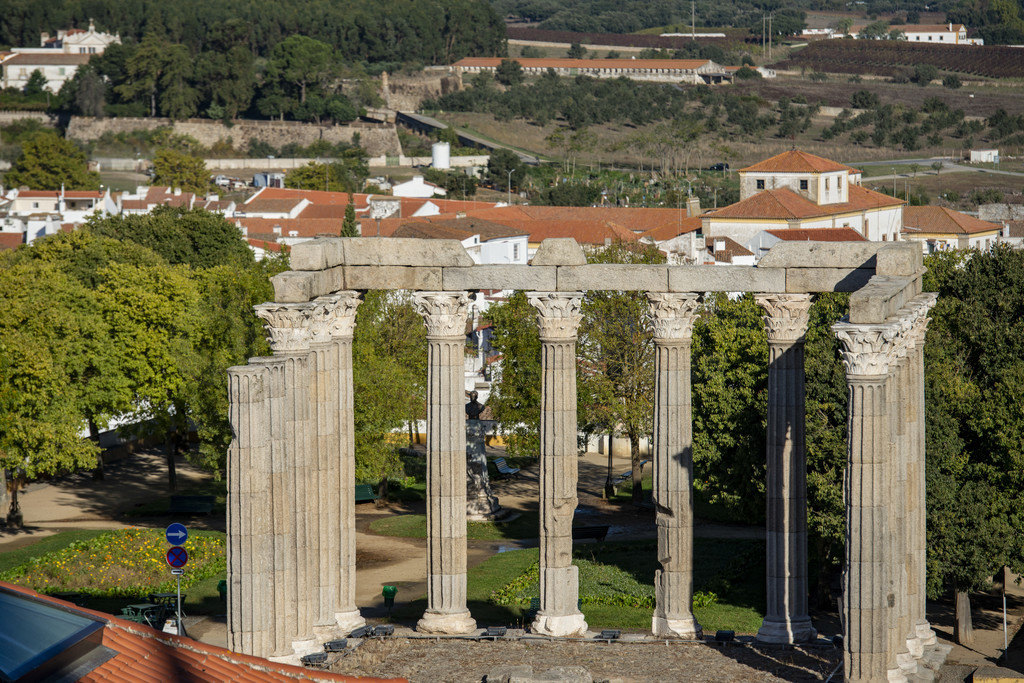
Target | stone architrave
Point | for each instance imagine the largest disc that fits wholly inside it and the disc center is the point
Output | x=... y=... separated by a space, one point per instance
x=288 y=328
x=333 y=322
x=787 y=619
x=868 y=588
x=558 y=316
x=673 y=316
x=250 y=542
x=445 y=316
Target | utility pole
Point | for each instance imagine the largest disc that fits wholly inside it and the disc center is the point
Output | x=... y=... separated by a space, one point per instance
x=693 y=20
x=763 y=53
x=770 y=16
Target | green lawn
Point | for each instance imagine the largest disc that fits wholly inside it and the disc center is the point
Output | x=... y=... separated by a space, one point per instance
x=732 y=569
x=415 y=526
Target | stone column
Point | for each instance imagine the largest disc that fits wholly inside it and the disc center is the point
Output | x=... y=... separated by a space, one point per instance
x=787 y=619
x=868 y=591
x=332 y=323
x=673 y=316
x=340 y=475
x=558 y=316
x=445 y=316
x=917 y=541
x=249 y=522
x=289 y=336
x=277 y=496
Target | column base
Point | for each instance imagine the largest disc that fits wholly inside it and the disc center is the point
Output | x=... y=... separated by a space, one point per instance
x=663 y=627
x=925 y=633
x=895 y=676
x=561 y=626
x=324 y=632
x=349 y=621
x=907 y=663
x=914 y=645
x=306 y=646
x=786 y=632
x=446 y=624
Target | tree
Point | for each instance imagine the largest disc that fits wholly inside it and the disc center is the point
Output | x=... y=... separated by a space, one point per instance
x=924 y=74
x=349 y=227
x=178 y=170
x=502 y=162
x=874 y=31
x=343 y=175
x=515 y=390
x=36 y=84
x=49 y=162
x=299 y=65
x=951 y=82
x=864 y=99
x=509 y=72
x=615 y=360
x=576 y=51
x=144 y=70
x=937 y=167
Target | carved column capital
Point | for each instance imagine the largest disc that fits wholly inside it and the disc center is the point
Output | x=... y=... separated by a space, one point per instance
x=786 y=316
x=921 y=305
x=558 y=314
x=867 y=349
x=288 y=326
x=444 y=313
x=334 y=316
x=673 y=315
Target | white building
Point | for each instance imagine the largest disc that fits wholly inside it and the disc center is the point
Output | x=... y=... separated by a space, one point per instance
x=417 y=187
x=37 y=213
x=797 y=190
x=943 y=34
x=940 y=229
x=57 y=58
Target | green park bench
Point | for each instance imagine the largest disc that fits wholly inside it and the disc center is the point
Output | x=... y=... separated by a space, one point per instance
x=365 y=494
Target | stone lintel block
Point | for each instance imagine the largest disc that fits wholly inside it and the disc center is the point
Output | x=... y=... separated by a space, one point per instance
x=393 y=277
x=530 y=278
x=328 y=280
x=559 y=251
x=899 y=258
x=613 y=276
x=726 y=279
x=404 y=251
x=880 y=298
x=292 y=287
x=317 y=254
x=800 y=280
x=821 y=255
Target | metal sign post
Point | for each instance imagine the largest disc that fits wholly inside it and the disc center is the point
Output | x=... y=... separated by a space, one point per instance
x=177 y=557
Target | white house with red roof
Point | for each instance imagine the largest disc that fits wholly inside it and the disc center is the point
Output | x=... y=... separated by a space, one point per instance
x=800 y=191
x=36 y=213
x=938 y=228
x=418 y=187
x=57 y=58
x=937 y=34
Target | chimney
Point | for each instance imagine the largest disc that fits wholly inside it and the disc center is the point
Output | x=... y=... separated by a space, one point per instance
x=460 y=214
x=177 y=192
x=719 y=245
x=951 y=26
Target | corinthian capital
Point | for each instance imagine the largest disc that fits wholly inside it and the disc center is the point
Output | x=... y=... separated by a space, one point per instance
x=673 y=315
x=334 y=316
x=444 y=313
x=558 y=314
x=786 y=316
x=921 y=304
x=867 y=349
x=287 y=326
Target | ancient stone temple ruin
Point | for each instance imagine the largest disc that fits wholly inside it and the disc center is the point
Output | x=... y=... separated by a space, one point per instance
x=291 y=554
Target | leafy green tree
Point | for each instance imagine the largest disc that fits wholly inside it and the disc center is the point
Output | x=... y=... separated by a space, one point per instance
x=509 y=72
x=349 y=227
x=515 y=391
x=299 y=65
x=178 y=97
x=501 y=162
x=49 y=162
x=924 y=74
x=179 y=170
x=343 y=175
x=36 y=84
x=615 y=359
x=576 y=51
x=144 y=70
x=951 y=82
x=389 y=353
x=874 y=31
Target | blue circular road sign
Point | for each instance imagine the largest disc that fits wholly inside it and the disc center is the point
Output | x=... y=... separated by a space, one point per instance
x=176 y=534
x=177 y=557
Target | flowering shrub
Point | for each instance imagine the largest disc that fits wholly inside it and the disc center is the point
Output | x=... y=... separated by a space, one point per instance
x=123 y=563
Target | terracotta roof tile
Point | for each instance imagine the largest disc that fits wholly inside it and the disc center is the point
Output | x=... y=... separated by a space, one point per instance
x=58 y=58
x=671 y=230
x=627 y=64
x=796 y=161
x=303 y=227
x=818 y=235
x=261 y=205
x=11 y=240
x=941 y=220
x=787 y=205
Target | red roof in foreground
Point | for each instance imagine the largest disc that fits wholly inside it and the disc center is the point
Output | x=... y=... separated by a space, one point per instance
x=11 y=240
x=785 y=204
x=818 y=235
x=145 y=654
x=795 y=161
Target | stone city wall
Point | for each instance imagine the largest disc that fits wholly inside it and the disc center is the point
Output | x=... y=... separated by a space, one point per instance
x=377 y=140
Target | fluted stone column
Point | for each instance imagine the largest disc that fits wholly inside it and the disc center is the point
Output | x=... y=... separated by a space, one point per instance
x=341 y=463
x=673 y=316
x=445 y=316
x=249 y=522
x=919 y=536
x=331 y=326
x=276 y=496
x=558 y=316
x=787 y=619
x=868 y=586
x=289 y=336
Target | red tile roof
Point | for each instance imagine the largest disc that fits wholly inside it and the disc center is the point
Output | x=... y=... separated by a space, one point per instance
x=669 y=230
x=304 y=227
x=455 y=228
x=54 y=194
x=11 y=240
x=627 y=64
x=928 y=28
x=795 y=161
x=58 y=59
x=145 y=654
x=818 y=235
x=731 y=251
x=314 y=196
x=261 y=205
x=785 y=204
x=939 y=219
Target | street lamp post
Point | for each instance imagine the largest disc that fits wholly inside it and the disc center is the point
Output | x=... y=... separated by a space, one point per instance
x=510 y=172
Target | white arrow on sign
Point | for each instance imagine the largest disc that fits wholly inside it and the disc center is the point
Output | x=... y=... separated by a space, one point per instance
x=177 y=533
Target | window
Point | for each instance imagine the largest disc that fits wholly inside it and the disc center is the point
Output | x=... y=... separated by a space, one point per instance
x=515 y=252
x=61 y=71
x=803 y=184
x=35 y=205
x=760 y=184
x=826 y=183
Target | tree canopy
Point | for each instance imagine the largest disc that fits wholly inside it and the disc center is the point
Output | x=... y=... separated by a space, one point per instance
x=172 y=168
x=49 y=162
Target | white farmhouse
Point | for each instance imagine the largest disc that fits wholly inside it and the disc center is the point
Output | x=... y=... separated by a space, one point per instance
x=942 y=34
x=57 y=58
